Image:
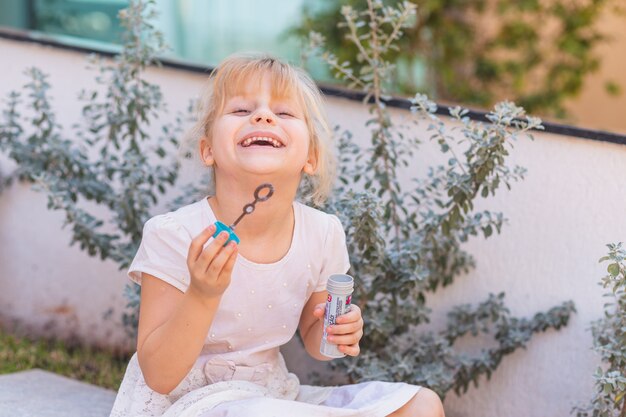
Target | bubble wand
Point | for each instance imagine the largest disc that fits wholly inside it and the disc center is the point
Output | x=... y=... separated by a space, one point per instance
x=247 y=209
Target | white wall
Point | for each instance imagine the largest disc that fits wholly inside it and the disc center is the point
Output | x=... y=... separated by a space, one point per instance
x=571 y=203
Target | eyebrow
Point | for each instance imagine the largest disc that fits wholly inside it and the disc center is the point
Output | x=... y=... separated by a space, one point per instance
x=273 y=100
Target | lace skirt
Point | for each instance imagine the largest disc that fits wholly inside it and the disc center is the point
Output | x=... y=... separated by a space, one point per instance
x=222 y=388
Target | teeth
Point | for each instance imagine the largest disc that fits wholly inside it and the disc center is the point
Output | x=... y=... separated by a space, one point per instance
x=274 y=142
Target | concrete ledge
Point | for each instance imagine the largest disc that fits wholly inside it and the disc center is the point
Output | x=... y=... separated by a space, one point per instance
x=45 y=394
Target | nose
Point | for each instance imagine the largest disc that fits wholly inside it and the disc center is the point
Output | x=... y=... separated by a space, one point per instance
x=263 y=116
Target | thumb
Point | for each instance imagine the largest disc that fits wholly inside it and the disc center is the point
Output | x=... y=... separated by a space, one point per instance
x=318 y=311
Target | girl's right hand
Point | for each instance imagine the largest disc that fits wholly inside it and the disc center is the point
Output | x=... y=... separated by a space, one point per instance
x=210 y=268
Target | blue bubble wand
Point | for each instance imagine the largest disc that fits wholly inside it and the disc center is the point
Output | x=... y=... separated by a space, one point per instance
x=247 y=209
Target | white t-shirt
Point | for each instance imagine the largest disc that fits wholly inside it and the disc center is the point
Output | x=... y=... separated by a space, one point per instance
x=261 y=308
x=240 y=370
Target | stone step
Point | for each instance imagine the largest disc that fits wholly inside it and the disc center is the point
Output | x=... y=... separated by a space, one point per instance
x=45 y=394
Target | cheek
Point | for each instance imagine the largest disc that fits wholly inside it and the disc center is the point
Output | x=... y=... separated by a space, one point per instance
x=301 y=131
x=225 y=123
x=309 y=140
x=305 y=145
x=218 y=127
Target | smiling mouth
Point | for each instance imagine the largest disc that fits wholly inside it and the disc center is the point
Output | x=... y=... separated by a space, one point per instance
x=261 y=141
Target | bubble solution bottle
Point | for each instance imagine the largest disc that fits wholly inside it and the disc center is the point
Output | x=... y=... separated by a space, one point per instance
x=340 y=288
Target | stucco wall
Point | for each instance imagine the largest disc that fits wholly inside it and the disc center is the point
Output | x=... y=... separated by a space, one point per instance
x=571 y=203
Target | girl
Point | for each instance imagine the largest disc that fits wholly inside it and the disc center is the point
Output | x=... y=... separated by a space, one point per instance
x=213 y=316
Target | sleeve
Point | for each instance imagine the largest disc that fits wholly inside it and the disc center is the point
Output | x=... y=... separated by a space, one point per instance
x=163 y=252
x=335 y=259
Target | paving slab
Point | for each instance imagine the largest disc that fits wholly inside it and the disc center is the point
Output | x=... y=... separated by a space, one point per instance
x=44 y=394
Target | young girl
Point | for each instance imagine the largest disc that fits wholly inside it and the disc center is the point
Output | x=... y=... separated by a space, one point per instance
x=213 y=316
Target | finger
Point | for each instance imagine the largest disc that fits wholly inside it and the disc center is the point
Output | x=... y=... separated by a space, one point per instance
x=345 y=328
x=230 y=263
x=319 y=310
x=349 y=339
x=219 y=261
x=208 y=253
x=197 y=243
x=350 y=350
x=351 y=316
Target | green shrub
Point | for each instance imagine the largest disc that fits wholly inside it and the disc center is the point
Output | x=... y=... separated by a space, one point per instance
x=609 y=340
x=477 y=51
x=116 y=161
x=404 y=244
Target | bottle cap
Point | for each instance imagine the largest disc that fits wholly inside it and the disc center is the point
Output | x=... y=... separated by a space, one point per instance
x=341 y=284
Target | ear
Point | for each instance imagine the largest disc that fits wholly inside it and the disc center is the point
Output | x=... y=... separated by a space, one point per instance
x=206 y=153
x=310 y=166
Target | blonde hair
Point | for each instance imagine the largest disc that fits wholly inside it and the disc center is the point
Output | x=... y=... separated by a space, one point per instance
x=231 y=77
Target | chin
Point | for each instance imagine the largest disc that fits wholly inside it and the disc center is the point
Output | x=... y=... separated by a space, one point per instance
x=266 y=166
x=272 y=171
x=263 y=170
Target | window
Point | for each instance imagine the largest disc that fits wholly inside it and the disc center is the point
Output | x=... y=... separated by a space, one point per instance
x=196 y=31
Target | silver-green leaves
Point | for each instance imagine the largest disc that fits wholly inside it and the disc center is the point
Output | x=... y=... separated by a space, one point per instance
x=609 y=341
x=405 y=242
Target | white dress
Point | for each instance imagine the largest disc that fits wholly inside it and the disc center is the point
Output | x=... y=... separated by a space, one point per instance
x=240 y=371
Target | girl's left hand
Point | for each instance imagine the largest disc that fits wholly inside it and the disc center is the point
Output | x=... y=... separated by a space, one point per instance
x=347 y=330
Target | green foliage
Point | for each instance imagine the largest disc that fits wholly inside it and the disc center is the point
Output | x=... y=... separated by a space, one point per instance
x=99 y=367
x=113 y=160
x=609 y=340
x=478 y=51
x=405 y=244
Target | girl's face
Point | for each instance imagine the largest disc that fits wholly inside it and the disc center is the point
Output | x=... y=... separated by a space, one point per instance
x=260 y=134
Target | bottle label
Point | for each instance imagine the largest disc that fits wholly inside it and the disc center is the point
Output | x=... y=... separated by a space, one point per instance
x=336 y=305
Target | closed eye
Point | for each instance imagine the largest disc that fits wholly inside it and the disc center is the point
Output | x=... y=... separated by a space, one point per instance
x=241 y=111
x=284 y=113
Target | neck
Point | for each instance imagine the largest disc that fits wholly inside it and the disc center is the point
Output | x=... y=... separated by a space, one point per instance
x=269 y=217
